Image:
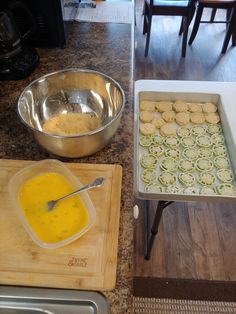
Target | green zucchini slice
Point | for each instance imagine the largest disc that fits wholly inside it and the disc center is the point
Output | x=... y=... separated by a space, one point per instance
x=219 y=150
x=187 y=142
x=203 y=141
x=157 y=139
x=169 y=164
x=225 y=175
x=184 y=131
x=204 y=164
x=198 y=130
x=172 y=141
x=217 y=139
x=187 y=179
x=173 y=153
x=190 y=153
x=148 y=161
x=145 y=141
x=174 y=189
x=156 y=150
x=191 y=190
x=167 y=178
x=186 y=165
x=221 y=162
x=214 y=128
x=226 y=189
x=207 y=190
x=206 y=178
x=205 y=152
x=154 y=188
x=149 y=175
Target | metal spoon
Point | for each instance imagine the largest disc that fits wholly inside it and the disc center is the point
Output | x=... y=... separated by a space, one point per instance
x=96 y=183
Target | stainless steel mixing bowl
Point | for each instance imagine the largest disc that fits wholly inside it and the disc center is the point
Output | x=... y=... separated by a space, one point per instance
x=72 y=90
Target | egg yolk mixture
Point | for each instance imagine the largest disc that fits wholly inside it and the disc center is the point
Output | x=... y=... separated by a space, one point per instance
x=68 y=216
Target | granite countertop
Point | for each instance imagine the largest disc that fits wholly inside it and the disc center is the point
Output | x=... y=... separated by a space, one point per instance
x=106 y=48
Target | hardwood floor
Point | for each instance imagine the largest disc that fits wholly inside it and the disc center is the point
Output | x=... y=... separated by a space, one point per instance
x=203 y=61
x=193 y=254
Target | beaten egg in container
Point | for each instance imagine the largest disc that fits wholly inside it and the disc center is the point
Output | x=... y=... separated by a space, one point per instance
x=68 y=217
x=33 y=186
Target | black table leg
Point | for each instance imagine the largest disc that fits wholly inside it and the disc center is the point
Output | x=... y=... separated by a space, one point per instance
x=151 y=234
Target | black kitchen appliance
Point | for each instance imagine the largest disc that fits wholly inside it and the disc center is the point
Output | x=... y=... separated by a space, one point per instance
x=48 y=17
x=16 y=59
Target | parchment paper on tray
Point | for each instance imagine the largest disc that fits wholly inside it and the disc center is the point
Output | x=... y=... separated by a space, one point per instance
x=182 y=151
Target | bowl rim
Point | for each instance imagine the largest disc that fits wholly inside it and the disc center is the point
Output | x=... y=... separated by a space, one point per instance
x=82 y=134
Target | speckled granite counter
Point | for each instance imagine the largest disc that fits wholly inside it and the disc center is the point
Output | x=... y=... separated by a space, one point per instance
x=106 y=48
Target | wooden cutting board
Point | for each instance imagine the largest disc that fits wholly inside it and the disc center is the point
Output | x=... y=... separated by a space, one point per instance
x=88 y=263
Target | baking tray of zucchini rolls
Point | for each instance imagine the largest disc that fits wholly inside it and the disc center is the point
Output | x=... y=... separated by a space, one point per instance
x=184 y=146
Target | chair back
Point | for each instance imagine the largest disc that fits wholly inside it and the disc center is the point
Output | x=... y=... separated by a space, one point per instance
x=191 y=3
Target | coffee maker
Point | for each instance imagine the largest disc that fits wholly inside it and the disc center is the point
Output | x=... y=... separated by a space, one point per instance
x=17 y=60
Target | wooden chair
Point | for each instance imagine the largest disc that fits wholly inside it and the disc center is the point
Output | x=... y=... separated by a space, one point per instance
x=184 y=8
x=231 y=32
x=213 y=14
x=229 y=5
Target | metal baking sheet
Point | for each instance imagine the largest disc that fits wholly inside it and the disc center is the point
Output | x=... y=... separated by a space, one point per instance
x=220 y=93
x=21 y=300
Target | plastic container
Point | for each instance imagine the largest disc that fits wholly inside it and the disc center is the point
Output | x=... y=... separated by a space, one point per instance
x=35 y=169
